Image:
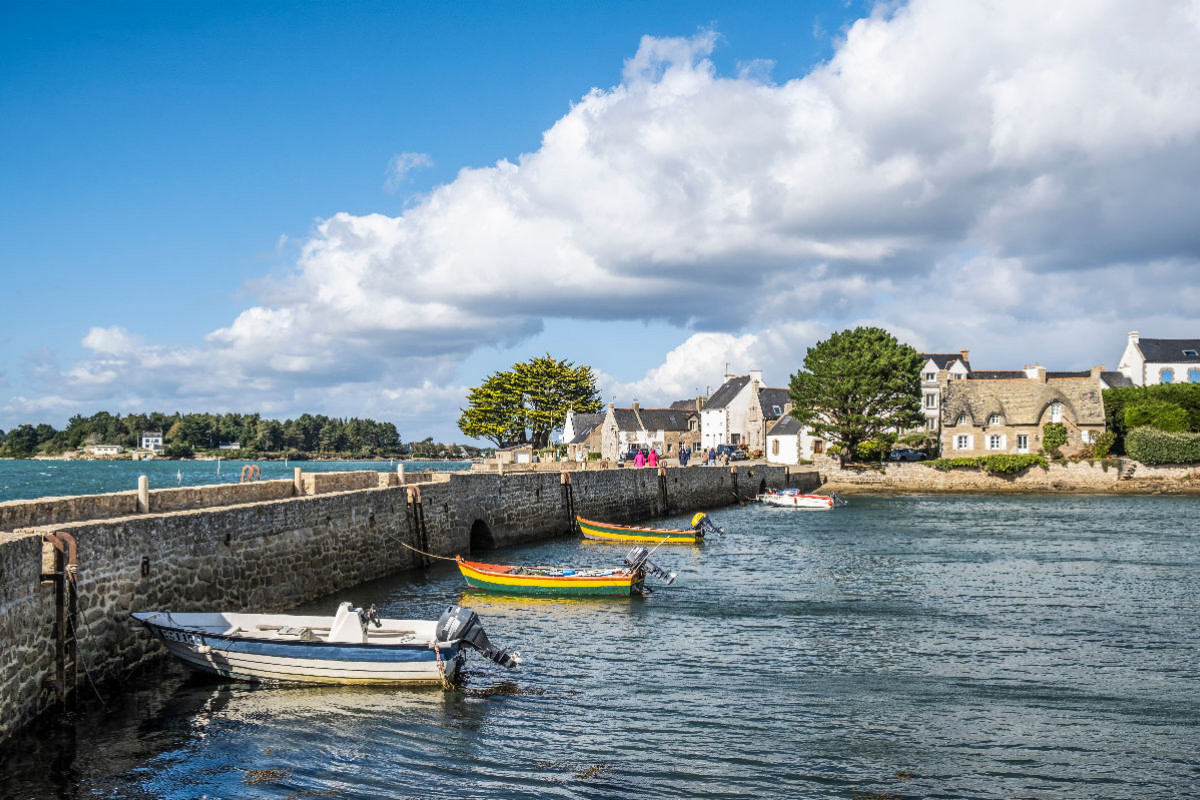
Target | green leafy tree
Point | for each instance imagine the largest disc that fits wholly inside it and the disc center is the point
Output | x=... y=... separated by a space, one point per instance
x=22 y=441
x=858 y=385
x=527 y=403
x=1159 y=414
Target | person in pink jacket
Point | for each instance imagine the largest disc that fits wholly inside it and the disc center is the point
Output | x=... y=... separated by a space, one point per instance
x=653 y=457
x=639 y=460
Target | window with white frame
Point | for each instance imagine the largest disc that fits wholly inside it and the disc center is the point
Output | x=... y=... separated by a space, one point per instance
x=994 y=419
x=931 y=400
x=1023 y=442
x=931 y=423
x=962 y=442
x=962 y=420
x=931 y=376
x=1056 y=411
x=995 y=442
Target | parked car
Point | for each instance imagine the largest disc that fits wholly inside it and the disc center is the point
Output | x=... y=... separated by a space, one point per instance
x=735 y=453
x=906 y=454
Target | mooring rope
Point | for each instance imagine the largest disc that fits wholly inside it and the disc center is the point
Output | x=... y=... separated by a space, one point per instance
x=422 y=552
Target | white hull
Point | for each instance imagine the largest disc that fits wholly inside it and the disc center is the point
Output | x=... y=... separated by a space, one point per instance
x=262 y=647
x=804 y=502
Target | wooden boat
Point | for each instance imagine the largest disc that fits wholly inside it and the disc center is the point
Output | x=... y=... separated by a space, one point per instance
x=606 y=532
x=565 y=581
x=808 y=502
x=354 y=646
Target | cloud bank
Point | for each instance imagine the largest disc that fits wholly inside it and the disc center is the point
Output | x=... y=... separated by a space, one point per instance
x=1013 y=176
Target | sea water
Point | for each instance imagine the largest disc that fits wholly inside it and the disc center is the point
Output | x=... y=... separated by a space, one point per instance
x=907 y=647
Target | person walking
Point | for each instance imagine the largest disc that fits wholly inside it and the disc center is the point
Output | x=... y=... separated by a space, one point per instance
x=712 y=457
x=653 y=457
x=684 y=452
x=640 y=459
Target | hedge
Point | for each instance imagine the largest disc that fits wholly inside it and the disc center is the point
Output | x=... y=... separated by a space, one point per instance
x=1000 y=464
x=1184 y=395
x=1152 y=446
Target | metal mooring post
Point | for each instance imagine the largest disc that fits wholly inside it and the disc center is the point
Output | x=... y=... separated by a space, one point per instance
x=63 y=576
x=418 y=524
x=568 y=499
x=662 y=490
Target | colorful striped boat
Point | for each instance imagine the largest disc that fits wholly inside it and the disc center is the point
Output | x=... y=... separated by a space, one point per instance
x=606 y=532
x=556 y=581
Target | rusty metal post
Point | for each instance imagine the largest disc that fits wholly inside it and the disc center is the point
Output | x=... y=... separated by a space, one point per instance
x=662 y=490
x=568 y=500
x=66 y=610
x=418 y=524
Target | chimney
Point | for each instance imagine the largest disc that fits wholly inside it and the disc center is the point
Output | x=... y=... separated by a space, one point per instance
x=1040 y=372
x=610 y=406
x=634 y=405
x=1133 y=337
x=699 y=403
x=1096 y=370
x=756 y=377
x=966 y=356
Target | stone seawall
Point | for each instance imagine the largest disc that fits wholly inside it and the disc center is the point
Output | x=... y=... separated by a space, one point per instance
x=270 y=554
x=1075 y=476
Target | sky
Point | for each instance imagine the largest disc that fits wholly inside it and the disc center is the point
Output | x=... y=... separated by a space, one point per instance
x=364 y=209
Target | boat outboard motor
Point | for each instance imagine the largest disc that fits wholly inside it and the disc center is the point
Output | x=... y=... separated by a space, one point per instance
x=837 y=501
x=459 y=623
x=639 y=559
x=703 y=525
x=371 y=614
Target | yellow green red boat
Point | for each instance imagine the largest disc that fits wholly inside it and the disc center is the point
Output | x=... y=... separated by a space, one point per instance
x=607 y=532
x=565 y=581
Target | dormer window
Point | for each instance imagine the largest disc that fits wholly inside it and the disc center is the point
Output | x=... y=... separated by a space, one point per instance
x=994 y=419
x=962 y=420
x=1056 y=411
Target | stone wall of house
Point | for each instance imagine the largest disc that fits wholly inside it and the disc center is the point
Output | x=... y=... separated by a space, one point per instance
x=271 y=554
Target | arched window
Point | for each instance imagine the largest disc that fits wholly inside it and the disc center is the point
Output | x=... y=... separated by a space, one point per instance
x=1166 y=375
x=1056 y=411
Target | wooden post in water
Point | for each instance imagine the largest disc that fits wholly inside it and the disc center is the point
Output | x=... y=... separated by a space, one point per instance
x=143 y=506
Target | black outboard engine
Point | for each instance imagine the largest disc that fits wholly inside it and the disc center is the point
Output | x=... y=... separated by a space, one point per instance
x=837 y=501
x=458 y=623
x=639 y=559
x=703 y=525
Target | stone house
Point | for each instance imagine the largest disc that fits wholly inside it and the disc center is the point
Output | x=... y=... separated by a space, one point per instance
x=741 y=411
x=582 y=434
x=788 y=441
x=1004 y=411
x=1147 y=362
x=939 y=367
x=662 y=429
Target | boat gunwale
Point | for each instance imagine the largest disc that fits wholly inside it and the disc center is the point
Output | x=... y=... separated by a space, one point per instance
x=670 y=531
x=615 y=575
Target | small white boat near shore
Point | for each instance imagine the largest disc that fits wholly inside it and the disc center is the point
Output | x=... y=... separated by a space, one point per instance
x=792 y=498
x=354 y=646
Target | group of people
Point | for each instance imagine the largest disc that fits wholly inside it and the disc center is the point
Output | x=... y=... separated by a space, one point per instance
x=650 y=458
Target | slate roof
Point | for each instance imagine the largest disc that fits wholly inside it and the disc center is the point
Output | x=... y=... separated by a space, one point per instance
x=1021 y=402
x=729 y=390
x=1087 y=373
x=944 y=360
x=1116 y=379
x=665 y=419
x=684 y=405
x=768 y=397
x=1169 y=350
x=584 y=425
x=998 y=374
x=626 y=419
x=786 y=426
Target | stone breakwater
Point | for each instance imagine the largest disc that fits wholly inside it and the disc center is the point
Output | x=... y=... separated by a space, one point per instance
x=268 y=545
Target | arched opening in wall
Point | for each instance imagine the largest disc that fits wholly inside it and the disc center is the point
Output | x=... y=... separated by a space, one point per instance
x=481 y=536
x=762 y=486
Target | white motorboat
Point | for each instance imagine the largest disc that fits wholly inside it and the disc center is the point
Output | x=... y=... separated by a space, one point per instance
x=792 y=498
x=354 y=646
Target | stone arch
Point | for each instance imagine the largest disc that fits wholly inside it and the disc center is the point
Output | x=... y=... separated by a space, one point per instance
x=1068 y=410
x=762 y=486
x=481 y=536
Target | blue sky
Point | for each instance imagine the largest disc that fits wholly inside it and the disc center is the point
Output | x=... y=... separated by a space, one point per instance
x=202 y=211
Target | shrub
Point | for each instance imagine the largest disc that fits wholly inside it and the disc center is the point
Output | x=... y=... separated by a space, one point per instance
x=1054 y=436
x=999 y=464
x=1152 y=446
x=593 y=456
x=1157 y=414
x=1184 y=395
x=1102 y=444
x=178 y=450
x=873 y=450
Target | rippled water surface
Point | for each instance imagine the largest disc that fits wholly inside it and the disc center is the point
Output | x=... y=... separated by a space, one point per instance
x=25 y=479
x=954 y=647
